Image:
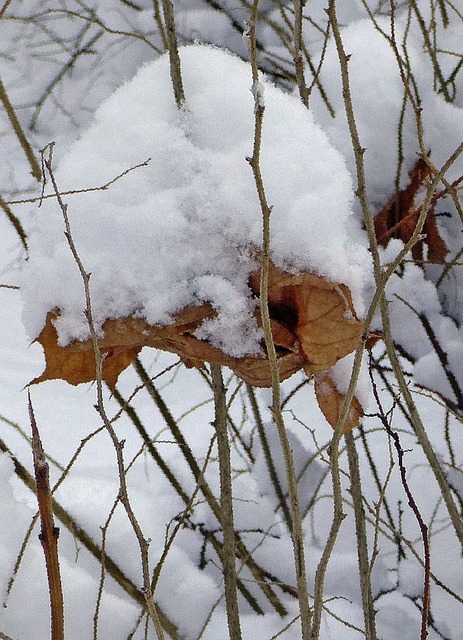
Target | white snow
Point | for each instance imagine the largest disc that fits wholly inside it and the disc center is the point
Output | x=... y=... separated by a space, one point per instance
x=185 y=228
x=133 y=236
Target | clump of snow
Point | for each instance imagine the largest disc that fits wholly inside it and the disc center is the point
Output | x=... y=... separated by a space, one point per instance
x=341 y=374
x=185 y=228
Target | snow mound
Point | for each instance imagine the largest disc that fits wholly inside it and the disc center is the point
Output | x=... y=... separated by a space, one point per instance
x=185 y=228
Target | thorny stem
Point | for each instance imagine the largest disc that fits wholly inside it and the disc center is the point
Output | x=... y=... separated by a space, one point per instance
x=380 y=278
x=338 y=514
x=82 y=536
x=226 y=504
x=100 y=406
x=296 y=529
x=414 y=507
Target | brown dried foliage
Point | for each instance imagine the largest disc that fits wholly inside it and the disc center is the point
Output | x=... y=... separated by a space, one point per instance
x=313 y=324
x=399 y=217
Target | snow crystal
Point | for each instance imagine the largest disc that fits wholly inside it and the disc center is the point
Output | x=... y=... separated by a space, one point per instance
x=184 y=229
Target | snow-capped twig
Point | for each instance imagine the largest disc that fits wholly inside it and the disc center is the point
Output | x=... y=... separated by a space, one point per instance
x=100 y=406
x=296 y=519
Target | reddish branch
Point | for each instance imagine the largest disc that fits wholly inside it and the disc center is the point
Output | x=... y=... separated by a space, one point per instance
x=414 y=507
x=48 y=532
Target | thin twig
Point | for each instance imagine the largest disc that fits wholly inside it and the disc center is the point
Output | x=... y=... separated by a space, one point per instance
x=226 y=504
x=84 y=538
x=269 y=458
x=414 y=507
x=23 y=141
x=362 y=547
x=296 y=519
x=83 y=50
x=73 y=192
x=100 y=407
x=243 y=553
x=174 y=58
x=15 y=222
x=297 y=55
x=6 y=4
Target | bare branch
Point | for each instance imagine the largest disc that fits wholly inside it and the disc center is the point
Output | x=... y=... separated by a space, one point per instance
x=23 y=141
x=48 y=532
x=414 y=507
x=175 y=68
x=226 y=504
x=100 y=407
x=296 y=519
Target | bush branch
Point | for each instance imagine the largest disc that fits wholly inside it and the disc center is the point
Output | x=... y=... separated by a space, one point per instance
x=100 y=407
x=23 y=141
x=414 y=507
x=296 y=519
x=226 y=504
x=48 y=532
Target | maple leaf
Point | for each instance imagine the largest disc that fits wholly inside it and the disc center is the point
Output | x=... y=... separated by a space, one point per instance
x=317 y=313
x=313 y=325
x=399 y=217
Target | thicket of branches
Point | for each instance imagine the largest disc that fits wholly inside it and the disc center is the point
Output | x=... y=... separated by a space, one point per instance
x=59 y=61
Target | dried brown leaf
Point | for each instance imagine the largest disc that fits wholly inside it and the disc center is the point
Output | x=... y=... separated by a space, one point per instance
x=399 y=217
x=313 y=325
x=330 y=401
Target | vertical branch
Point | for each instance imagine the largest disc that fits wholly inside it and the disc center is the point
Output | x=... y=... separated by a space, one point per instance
x=297 y=55
x=414 y=507
x=175 y=68
x=268 y=458
x=226 y=504
x=431 y=51
x=242 y=551
x=296 y=529
x=362 y=547
x=100 y=407
x=338 y=517
x=23 y=141
x=48 y=532
x=87 y=541
x=380 y=277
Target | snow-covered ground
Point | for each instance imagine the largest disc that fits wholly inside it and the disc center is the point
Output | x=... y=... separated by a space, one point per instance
x=182 y=230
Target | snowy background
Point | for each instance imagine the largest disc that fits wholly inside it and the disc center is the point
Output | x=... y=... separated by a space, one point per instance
x=177 y=231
